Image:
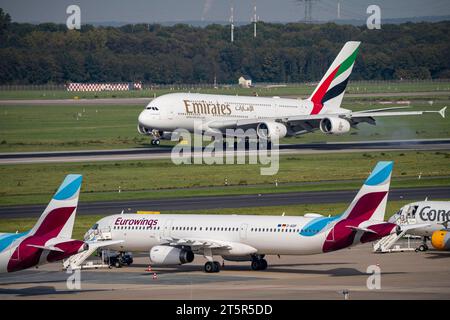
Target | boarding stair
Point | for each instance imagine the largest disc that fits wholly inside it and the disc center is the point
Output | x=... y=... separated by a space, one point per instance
x=92 y=237
x=386 y=244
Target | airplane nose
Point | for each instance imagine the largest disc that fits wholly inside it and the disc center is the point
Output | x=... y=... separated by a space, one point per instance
x=141 y=118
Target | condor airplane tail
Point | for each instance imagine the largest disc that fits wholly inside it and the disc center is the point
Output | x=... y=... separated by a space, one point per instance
x=327 y=96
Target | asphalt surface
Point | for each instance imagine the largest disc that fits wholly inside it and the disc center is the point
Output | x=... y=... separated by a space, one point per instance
x=218 y=202
x=145 y=101
x=165 y=152
x=407 y=275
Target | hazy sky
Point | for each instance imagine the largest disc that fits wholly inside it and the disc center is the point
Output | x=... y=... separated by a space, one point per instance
x=214 y=10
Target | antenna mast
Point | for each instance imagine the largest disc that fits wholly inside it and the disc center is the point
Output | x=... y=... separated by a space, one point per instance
x=232 y=23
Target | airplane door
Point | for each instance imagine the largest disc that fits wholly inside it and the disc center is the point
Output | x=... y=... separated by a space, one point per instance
x=243 y=231
x=170 y=114
x=411 y=214
x=167 y=228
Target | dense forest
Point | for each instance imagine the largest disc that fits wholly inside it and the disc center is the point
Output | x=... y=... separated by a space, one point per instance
x=293 y=52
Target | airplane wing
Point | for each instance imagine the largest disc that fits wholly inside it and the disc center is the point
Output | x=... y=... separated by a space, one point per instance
x=199 y=246
x=307 y=123
x=92 y=244
x=409 y=227
x=196 y=243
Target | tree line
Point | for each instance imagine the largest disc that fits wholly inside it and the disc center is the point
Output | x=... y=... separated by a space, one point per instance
x=292 y=52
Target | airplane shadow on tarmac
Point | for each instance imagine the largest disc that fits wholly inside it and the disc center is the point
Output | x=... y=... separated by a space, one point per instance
x=335 y=272
x=39 y=290
x=438 y=255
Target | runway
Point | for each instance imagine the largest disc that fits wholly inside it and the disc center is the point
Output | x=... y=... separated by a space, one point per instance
x=149 y=153
x=218 y=202
x=145 y=101
x=407 y=275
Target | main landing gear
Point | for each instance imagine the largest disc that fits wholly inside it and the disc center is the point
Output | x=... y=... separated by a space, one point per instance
x=155 y=142
x=258 y=263
x=212 y=266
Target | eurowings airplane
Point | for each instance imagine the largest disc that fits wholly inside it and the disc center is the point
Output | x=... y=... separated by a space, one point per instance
x=269 y=117
x=51 y=237
x=427 y=219
x=174 y=239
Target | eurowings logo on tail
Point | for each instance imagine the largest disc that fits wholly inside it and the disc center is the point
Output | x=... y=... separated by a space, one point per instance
x=331 y=89
x=363 y=220
x=50 y=238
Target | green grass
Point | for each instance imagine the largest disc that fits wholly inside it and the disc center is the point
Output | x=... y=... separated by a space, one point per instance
x=35 y=183
x=289 y=90
x=49 y=128
x=84 y=222
x=43 y=128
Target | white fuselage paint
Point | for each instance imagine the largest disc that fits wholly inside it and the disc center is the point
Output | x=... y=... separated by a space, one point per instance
x=186 y=110
x=435 y=213
x=259 y=232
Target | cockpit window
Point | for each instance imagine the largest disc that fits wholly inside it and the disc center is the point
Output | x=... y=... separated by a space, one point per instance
x=95 y=226
x=152 y=108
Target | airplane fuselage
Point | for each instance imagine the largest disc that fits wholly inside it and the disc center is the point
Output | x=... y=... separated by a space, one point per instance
x=433 y=213
x=266 y=234
x=195 y=111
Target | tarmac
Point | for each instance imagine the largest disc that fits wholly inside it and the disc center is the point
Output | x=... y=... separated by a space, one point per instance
x=229 y=201
x=146 y=100
x=166 y=152
x=406 y=275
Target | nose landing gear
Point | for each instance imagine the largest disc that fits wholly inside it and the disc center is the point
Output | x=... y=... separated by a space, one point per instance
x=155 y=142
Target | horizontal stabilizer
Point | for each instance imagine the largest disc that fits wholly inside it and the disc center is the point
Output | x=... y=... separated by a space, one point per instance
x=49 y=248
x=361 y=229
x=409 y=227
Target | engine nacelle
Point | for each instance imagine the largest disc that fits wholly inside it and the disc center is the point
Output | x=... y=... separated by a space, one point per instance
x=270 y=130
x=441 y=240
x=334 y=125
x=166 y=255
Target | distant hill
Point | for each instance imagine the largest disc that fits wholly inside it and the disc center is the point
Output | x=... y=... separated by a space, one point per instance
x=204 y=23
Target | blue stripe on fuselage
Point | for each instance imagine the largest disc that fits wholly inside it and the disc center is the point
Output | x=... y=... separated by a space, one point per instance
x=316 y=225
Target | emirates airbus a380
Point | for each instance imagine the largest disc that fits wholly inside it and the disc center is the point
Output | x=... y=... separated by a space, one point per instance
x=270 y=117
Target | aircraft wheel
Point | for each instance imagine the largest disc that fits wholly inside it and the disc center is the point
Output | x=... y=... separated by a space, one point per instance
x=263 y=264
x=157 y=142
x=209 y=267
x=256 y=265
x=117 y=264
x=422 y=248
x=216 y=266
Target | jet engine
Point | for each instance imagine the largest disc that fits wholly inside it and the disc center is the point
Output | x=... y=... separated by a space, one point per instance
x=270 y=130
x=334 y=125
x=166 y=255
x=441 y=240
